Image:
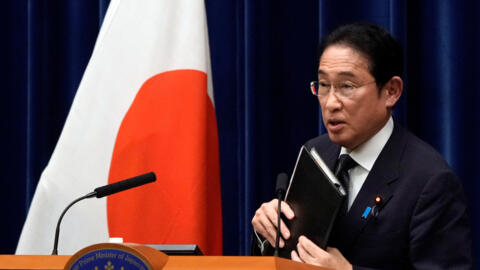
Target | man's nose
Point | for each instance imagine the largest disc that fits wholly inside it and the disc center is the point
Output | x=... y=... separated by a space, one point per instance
x=331 y=101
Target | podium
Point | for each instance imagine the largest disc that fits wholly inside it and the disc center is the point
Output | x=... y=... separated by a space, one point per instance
x=155 y=259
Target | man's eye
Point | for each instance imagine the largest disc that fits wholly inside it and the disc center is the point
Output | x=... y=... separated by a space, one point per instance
x=347 y=86
x=323 y=84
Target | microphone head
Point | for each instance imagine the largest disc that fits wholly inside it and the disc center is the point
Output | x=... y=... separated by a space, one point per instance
x=125 y=184
x=282 y=183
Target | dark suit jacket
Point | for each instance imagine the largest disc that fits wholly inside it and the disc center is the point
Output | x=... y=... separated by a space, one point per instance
x=422 y=222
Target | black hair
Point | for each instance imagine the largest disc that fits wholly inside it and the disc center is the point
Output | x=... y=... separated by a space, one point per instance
x=382 y=51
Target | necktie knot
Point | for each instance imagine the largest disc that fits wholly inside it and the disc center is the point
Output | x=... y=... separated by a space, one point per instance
x=344 y=164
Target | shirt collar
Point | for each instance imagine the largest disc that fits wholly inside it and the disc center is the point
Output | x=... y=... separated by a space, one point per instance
x=366 y=154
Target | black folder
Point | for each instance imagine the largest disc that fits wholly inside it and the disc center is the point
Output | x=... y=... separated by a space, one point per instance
x=316 y=196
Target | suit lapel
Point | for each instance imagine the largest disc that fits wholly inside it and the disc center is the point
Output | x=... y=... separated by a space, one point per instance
x=384 y=171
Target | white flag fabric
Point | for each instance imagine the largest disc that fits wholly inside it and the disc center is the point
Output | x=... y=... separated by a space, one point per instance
x=145 y=103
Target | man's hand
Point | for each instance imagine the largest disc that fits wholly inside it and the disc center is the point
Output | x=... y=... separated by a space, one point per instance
x=310 y=253
x=265 y=221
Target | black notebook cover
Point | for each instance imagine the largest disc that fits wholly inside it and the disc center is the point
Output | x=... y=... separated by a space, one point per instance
x=315 y=195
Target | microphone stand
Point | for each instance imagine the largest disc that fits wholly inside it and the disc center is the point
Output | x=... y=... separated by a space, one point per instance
x=279 y=221
x=282 y=180
x=57 y=231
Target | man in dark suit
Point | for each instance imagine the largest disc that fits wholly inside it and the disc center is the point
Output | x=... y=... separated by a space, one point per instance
x=405 y=207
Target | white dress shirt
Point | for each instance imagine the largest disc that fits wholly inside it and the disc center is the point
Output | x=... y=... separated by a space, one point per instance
x=365 y=155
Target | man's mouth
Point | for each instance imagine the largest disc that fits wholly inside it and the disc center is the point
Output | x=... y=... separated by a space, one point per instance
x=335 y=124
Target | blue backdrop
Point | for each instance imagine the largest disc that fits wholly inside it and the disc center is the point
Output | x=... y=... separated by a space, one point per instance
x=264 y=53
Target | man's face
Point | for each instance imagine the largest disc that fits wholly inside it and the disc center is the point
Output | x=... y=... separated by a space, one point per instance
x=350 y=121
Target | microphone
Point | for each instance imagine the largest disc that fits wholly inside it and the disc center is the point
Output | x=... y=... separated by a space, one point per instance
x=105 y=191
x=280 y=189
x=124 y=185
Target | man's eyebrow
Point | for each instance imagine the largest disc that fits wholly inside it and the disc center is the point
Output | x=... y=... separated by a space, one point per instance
x=347 y=73
x=342 y=73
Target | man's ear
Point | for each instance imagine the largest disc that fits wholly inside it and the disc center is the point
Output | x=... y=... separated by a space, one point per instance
x=393 y=90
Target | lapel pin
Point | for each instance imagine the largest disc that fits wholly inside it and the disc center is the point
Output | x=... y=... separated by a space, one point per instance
x=366 y=212
x=378 y=200
x=373 y=210
x=378 y=204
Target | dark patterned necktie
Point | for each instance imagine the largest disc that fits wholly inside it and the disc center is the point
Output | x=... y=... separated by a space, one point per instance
x=344 y=164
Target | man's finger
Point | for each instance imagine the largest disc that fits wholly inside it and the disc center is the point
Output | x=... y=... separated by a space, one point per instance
x=295 y=257
x=304 y=255
x=310 y=247
x=287 y=210
x=333 y=250
x=284 y=230
x=281 y=243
